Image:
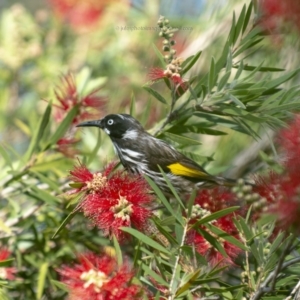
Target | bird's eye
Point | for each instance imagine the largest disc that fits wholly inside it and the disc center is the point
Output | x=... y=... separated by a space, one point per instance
x=110 y=122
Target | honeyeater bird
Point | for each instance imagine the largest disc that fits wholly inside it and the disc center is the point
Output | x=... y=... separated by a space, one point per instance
x=142 y=153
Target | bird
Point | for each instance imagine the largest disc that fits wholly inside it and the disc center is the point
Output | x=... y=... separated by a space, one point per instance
x=142 y=153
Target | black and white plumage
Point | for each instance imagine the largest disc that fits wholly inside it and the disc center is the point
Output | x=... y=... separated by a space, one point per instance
x=142 y=153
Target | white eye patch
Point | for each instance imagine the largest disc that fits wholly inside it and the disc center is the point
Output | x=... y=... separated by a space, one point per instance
x=110 y=122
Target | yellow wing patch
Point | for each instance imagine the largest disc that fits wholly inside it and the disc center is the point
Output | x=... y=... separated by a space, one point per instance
x=180 y=170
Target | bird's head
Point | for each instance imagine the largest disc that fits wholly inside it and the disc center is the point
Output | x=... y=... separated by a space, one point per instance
x=117 y=126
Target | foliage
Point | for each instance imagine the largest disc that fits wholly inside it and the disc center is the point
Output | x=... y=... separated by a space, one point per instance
x=214 y=244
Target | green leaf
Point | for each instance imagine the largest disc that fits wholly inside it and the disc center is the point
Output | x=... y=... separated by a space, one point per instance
x=164 y=200
x=118 y=251
x=181 y=140
x=60 y=285
x=145 y=239
x=189 y=62
x=6 y=262
x=224 y=80
x=159 y=55
x=232 y=30
x=227 y=237
x=154 y=275
x=278 y=81
x=237 y=101
x=155 y=94
x=247 y=17
x=249 y=44
x=41 y=279
x=171 y=187
x=212 y=75
x=38 y=133
x=43 y=195
x=281 y=108
x=212 y=240
x=187 y=282
x=214 y=216
x=53 y=185
x=64 y=223
x=239 y=71
x=239 y=24
x=63 y=127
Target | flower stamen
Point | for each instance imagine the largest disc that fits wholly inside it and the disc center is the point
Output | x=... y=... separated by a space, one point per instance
x=97 y=183
x=97 y=278
x=123 y=209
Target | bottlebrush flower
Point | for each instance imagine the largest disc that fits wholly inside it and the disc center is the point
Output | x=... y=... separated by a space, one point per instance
x=171 y=72
x=289 y=140
x=68 y=96
x=113 y=200
x=207 y=202
x=81 y=14
x=6 y=273
x=100 y=278
x=65 y=146
x=275 y=13
x=281 y=191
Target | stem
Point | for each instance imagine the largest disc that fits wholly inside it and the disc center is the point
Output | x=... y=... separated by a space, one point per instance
x=271 y=279
x=171 y=297
x=296 y=288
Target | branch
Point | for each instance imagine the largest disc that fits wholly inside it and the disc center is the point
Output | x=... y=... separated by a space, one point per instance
x=271 y=279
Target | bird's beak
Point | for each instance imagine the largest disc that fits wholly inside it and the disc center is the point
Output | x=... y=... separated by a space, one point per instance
x=93 y=123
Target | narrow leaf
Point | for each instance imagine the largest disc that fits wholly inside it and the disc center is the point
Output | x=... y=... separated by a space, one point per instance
x=237 y=101
x=181 y=140
x=214 y=216
x=164 y=200
x=64 y=223
x=41 y=279
x=212 y=75
x=189 y=62
x=63 y=127
x=159 y=55
x=247 y=17
x=155 y=94
x=118 y=251
x=239 y=24
x=145 y=239
x=227 y=237
x=38 y=133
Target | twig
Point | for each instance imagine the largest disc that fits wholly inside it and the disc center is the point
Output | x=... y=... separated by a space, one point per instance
x=171 y=296
x=296 y=288
x=271 y=279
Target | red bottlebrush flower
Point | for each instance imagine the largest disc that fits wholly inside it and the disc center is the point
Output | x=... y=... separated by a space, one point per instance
x=207 y=202
x=156 y=74
x=65 y=146
x=6 y=273
x=113 y=200
x=100 y=278
x=275 y=13
x=81 y=14
x=281 y=192
x=68 y=97
x=289 y=140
